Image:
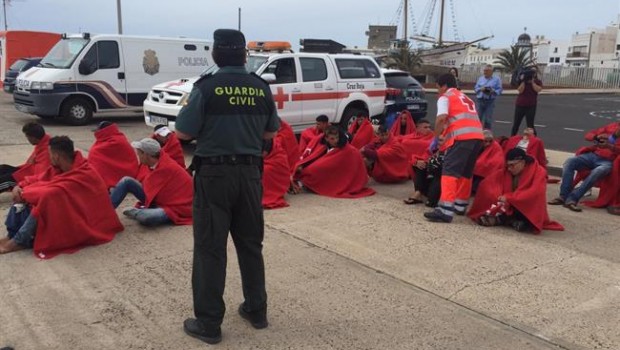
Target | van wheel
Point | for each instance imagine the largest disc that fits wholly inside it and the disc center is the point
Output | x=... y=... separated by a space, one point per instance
x=77 y=111
x=348 y=116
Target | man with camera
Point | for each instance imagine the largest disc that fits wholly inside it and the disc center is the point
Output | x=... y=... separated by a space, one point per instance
x=528 y=86
x=487 y=88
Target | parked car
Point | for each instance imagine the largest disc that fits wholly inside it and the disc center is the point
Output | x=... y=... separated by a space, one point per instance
x=21 y=65
x=403 y=92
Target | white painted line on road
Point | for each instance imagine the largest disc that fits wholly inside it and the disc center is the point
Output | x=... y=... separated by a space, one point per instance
x=571 y=129
x=540 y=126
x=503 y=122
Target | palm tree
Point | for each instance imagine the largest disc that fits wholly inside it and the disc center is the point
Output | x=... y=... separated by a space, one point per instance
x=514 y=59
x=404 y=59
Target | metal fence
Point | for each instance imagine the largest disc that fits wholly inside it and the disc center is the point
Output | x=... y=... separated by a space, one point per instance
x=557 y=76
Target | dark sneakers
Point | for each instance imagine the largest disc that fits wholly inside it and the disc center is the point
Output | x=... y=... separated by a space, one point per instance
x=195 y=329
x=257 y=320
x=437 y=216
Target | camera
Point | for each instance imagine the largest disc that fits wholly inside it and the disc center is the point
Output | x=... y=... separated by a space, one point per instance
x=486 y=90
x=527 y=74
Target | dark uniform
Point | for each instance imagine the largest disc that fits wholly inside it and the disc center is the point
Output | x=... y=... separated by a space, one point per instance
x=228 y=113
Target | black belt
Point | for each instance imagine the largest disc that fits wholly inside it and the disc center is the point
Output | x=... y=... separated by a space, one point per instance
x=232 y=160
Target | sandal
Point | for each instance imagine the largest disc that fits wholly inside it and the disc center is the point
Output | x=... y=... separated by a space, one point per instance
x=556 y=201
x=573 y=207
x=488 y=221
x=613 y=210
x=411 y=201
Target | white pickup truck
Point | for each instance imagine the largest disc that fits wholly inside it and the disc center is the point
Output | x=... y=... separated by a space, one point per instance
x=304 y=86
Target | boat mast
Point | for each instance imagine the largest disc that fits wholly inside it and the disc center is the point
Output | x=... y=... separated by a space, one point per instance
x=441 y=15
x=406 y=11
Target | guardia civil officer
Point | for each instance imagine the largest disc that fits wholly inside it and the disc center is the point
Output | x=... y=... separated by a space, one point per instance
x=229 y=113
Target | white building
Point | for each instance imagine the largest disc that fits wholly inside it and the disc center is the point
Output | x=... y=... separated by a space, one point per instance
x=549 y=52
x=595 y=48
x=477 y=56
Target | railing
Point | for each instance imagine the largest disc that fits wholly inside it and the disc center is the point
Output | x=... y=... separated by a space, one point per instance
x=577 y=54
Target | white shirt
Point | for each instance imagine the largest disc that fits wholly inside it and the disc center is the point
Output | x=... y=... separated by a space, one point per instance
x=442 y=105
x=523 y=144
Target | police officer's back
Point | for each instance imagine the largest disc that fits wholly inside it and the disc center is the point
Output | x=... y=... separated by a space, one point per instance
x=229 y=113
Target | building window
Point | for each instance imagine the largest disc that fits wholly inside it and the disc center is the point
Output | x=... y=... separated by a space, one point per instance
x=555 y=50
x=551 y=60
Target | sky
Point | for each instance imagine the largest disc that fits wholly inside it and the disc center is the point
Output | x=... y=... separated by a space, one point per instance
x=345 y=21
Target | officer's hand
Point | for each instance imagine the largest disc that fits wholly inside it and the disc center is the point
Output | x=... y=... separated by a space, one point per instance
x=17 y=194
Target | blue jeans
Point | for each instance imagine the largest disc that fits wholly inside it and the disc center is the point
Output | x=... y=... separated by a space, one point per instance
x=123 y=187
x=148 y=216
x=600 y=167
x=21 y=227
x=485 y=112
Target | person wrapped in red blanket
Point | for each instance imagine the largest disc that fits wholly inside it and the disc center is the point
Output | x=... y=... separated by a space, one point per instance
x=36 y=164
x=531 y=144
x=385 y=158
x=403 y=125
x=361 y=131
x=490 y=159
x=170 y=143
x=289 y=143
x=166 y=193
x=322 y=122
x=416 y=144
x=62 y=217
x=111 y=154
x=276 y=175
x=332 y=167
x=514 y=196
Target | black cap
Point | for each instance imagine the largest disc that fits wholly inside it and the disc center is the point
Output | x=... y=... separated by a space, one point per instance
x=322 y=118
x=518 y=154
x=102 y=125
x=228 y=39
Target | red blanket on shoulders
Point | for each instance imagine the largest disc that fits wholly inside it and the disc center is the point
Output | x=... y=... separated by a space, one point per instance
x=392 y=164
x=174 y=149
x=340 y=173
x=529 y=198
x=289 y=142
x=535 y=148
x=170 y=187
x=306 y=137
x=38 y=161
x=490 y=160
x=73 y=210
x=608 y=186
x=276 y=177
x=416 y=145
x=409 y=128
x=112 y=155
x=362 y=134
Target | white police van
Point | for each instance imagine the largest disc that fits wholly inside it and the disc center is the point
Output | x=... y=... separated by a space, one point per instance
x=304 y=86
x=83 y=74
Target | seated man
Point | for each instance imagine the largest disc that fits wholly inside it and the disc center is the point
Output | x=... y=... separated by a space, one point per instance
x=361 y=131
x=491 y=159
x=170 y=143
x=598 y=159
x=532 y=145
x=403 y=125
x=416 y=144
x=68 y=207
x=385 y=158
x=427 y=179
x=322 y=122
x=36 y=164
x=165 y=194
x=332 y=167
x=514 y=196
x=276 y=175
x=111 y=154
x=289 y=143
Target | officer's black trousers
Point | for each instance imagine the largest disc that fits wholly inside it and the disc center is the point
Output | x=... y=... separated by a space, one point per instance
x=227 y=198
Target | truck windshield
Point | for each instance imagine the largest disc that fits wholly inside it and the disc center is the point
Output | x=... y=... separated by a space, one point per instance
x=255 y=62
x=64 y=53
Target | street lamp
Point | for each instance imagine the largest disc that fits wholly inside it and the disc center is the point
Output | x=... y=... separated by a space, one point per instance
x=119 y=17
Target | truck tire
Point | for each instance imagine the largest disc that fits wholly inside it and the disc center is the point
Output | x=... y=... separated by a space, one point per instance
x=77 y=111
x=348 y=115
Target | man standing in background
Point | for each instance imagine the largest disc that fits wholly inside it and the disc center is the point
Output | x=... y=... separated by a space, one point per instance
x=487 y=88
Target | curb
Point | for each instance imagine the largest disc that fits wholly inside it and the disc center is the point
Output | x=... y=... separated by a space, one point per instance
x=547 y=92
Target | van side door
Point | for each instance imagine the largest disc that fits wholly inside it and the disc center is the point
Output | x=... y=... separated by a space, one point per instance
x=101 y=75
x=318 y=88
x=285 y=87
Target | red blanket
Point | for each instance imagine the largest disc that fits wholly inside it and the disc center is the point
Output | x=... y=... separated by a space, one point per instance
x=73 y=210
x=307 y=136
x=38 y=161
x=608 y=186
x=174 y=149
x=276 y=177
x=529 y=198
x=289 y=142
x=170 y=187
x=362 y=134
x=490 y=160
x=392 y=164
x=112 y=155
x=535 y=148
x=409 y=128
x=340 y=173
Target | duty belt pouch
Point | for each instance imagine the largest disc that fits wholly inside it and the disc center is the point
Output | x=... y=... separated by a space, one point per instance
x=195 y=166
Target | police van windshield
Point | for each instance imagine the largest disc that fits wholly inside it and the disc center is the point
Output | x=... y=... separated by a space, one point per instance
x=64 y=53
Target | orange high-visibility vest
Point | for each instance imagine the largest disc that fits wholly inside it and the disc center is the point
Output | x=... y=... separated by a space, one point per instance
x=462 y=122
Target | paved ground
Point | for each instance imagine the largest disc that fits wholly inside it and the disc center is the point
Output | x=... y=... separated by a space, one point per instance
x=342 y=274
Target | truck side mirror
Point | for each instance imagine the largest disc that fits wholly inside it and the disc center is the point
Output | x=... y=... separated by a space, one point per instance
x=86 y=67
x=269 y=77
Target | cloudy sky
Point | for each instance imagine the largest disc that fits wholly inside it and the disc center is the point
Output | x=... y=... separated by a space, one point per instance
x=342 y=20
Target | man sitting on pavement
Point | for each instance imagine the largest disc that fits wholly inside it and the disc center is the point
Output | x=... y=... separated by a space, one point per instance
x=427 y=179
x=322 y=122
x=170 y=143
x=36 y=164
x=60 y=201
x=530 y=143
x=111 y=154
x=490 y=159
x=514 y=196
x=165 y=194
x=288 y=141
x=361 y=131
x=416 y=144
x=597 y=159
x=385 y=158
x=276 y=175
x=332 y=167
x=403 y=125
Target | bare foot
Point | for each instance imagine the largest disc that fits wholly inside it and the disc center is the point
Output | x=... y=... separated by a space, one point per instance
x=9 y=246
x=4 y=239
